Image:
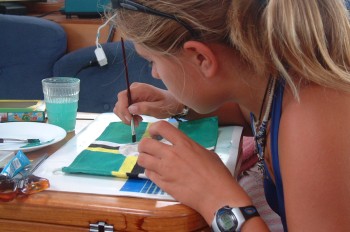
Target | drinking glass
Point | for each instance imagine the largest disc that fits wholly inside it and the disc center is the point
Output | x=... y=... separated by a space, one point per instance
x=61 y=95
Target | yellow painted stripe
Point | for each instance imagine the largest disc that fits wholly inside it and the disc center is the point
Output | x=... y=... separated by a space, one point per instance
x=120 y=175
x=127 y=166
x=100 y=149
x=146 y=134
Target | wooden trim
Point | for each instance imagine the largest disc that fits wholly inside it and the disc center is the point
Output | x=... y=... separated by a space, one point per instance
x=42 y=7
x=13 y=225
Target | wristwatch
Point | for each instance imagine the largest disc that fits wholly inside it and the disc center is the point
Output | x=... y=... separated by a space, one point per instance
x=229 y=219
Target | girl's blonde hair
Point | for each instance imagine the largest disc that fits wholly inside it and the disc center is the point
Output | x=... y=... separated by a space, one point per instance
x=309 y=38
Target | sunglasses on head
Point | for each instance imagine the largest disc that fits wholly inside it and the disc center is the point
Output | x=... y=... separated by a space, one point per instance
x=131 y=5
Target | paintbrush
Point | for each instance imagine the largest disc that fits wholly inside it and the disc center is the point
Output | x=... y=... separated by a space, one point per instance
x=133 y=132
x=11 y=140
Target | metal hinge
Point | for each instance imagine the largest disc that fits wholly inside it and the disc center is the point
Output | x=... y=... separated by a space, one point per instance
x=100 y=227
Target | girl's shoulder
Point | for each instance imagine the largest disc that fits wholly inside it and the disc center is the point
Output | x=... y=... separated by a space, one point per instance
x=316 y=103
x=314 y=154
x=321 y=116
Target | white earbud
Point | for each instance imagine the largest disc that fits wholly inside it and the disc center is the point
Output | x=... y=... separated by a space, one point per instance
x=100 y=54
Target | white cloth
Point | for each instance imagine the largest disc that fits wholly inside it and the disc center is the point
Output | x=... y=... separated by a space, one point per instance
x=252 y=183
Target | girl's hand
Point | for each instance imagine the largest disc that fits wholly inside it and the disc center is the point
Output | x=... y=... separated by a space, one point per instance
x=187 y=171
x=147 y=100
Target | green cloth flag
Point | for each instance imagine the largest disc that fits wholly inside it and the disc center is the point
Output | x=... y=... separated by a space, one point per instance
x=114 y=154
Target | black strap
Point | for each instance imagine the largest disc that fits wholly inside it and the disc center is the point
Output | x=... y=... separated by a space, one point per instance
x=249 y=212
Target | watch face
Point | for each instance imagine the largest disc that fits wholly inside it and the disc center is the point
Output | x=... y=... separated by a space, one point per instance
x=226 y=220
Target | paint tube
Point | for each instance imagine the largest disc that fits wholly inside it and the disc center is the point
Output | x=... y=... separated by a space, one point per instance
x=16 y=165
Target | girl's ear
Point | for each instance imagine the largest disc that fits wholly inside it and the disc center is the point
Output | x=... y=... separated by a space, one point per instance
x=203 y=56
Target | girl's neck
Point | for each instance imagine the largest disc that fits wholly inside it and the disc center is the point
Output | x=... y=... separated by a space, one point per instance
x=245 y=85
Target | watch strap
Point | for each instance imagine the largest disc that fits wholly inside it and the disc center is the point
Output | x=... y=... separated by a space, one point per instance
x=249 y=212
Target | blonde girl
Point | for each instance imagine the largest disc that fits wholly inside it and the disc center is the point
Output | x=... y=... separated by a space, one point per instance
x=281 y=69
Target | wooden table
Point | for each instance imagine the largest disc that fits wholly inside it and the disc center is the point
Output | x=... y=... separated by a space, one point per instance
x=64 y=211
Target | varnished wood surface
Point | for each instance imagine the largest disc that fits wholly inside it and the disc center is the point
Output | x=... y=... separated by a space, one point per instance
x=43 y=7
x=81 y=32
x=79 y=210
x=64 y=211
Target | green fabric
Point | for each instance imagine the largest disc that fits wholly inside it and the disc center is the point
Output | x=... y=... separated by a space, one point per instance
x=90 y=162
x=203 y=131
x=104 y=159
x=119 y=132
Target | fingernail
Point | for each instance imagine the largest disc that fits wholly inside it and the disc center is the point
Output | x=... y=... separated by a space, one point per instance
x=132 y=109
x=128 y=118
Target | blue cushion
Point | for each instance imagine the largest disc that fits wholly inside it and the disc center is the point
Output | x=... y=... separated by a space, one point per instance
x=99 y=86
x=29 y=47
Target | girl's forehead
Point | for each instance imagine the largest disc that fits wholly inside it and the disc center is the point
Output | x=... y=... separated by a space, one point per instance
x=138 y=48
x=142 y=50
x=147 y=53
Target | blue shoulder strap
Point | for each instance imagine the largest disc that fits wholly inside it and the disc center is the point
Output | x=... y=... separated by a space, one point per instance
x=275 y=121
